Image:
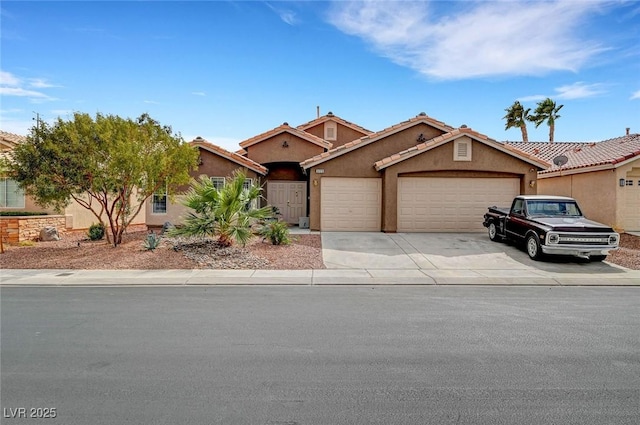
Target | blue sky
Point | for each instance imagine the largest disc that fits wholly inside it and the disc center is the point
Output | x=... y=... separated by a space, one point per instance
x=229 y=70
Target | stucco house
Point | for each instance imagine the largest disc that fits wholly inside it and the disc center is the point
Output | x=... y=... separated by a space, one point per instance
x=420 y=175
x=216 y=163
x=604 y=177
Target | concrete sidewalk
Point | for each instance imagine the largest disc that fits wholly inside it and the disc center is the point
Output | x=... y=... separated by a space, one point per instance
x=15 y=277
x=370 y=259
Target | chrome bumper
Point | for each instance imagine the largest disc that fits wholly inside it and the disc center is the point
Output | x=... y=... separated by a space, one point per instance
x=586 y=250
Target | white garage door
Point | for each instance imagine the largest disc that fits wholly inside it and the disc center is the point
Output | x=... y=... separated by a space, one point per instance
x=350 y=204
x=631 y=211
x=438 y=204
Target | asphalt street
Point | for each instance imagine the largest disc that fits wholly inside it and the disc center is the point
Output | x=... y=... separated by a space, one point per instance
x=320 y=355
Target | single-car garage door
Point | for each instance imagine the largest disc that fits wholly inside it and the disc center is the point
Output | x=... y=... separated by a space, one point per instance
x=440 y=204
x=350 y=204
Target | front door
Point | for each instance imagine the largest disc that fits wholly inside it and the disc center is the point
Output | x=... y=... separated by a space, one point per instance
x=290 y=197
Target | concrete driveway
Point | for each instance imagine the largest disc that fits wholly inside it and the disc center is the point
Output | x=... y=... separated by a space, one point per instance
x=437 y=253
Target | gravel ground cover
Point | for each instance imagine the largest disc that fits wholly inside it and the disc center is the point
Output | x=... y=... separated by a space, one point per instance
x=75 y=251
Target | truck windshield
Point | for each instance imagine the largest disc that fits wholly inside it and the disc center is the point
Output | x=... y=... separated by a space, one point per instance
x=553 y=208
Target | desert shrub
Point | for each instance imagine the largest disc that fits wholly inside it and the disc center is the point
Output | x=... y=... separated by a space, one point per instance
x=277 y=232
x=152 y=241
x=96 y=231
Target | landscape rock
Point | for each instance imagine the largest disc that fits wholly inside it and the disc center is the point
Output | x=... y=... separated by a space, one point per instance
x=48 y=234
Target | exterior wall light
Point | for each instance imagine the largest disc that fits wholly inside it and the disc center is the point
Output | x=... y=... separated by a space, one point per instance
x=622 y=182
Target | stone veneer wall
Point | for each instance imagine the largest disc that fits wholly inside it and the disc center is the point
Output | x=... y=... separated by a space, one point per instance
x=14 y=229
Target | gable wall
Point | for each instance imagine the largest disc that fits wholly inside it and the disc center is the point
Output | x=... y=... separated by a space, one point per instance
x=438 y=162
x=359 y=163
x=344 y=134
x=271 y=150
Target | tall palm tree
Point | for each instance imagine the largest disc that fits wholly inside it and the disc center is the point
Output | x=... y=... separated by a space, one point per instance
x=517 y=117
x=547 y=111
x=225 y=213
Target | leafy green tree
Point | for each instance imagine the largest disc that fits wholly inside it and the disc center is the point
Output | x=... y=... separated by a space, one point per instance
x=517 y=117
x=109 y=165
x=225 y=213
x=546 y=110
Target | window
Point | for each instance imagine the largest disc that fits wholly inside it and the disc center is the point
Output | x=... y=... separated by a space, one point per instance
x=629 y=182
x=218 y=182
x=159 y=203
x=11 y=196
x=462 y=150
x=330 y=130
x=247 y=184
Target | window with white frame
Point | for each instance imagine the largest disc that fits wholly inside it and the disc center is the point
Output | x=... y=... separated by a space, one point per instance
x=462 y=150
x=218 y=182
x=159 y=203
x=11 y=196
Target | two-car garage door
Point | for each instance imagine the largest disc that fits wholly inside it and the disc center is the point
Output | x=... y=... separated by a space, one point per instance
x=439 y=204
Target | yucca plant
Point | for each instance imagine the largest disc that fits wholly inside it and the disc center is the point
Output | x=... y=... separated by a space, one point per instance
x=224 y=213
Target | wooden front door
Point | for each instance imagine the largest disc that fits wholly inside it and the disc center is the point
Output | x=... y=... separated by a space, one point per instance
x=290 y=197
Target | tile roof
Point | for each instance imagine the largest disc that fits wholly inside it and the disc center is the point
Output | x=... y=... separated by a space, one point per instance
x=330 y=117
x=232 y=156
x=10 y=140
x=452 y=135
x=583 y=156
x=286 y=128
x=373 y=137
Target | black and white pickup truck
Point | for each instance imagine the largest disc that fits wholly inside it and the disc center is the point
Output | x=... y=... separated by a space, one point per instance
x=550 y=225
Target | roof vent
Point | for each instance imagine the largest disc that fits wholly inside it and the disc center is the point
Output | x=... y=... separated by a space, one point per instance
x=199 y=138
x=329 y=114
x=422 y=114
x=464 y=126
x=628 y=129
x=285 y=123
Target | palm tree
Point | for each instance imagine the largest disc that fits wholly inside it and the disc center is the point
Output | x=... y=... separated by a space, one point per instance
x=546 y=111
x=225 y=213
x=517 y=116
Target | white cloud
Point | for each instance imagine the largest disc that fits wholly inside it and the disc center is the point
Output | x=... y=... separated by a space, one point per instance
x=151 y=102
x=635 y=95
x=40 y=83
x=198 y=93
x=20 y=92
x=8 y=79
x=577 y=90
x=472 y=40
x=288 y=16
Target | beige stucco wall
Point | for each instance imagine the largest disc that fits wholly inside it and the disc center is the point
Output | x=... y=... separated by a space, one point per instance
x=30 y=206
x=271 y=150
x=213 y=166
x=486 y=162
x=596 y=193
x=81 y=218
x=343 y=135
x=360 y=163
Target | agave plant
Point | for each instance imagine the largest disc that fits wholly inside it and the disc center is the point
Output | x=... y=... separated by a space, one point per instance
x=224 y=213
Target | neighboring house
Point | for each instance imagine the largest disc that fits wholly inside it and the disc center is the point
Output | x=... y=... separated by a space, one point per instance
x=216 y=163
x=604 y=177
x=12 y=198
x=420 y=175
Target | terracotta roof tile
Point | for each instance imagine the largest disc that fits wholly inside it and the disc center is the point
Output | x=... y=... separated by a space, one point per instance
x=583 y=154
x=11 y=139
x=232 y=156
x=365 y=140
x=286 y=128
x=452 y=135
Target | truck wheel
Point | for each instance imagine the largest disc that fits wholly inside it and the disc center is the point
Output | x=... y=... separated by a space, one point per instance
x=533 y=247
x=597 y=257
x=493 y=232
